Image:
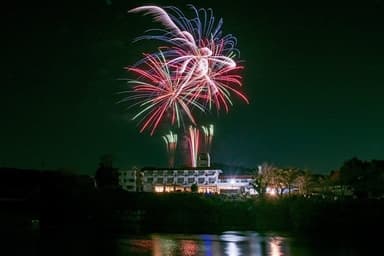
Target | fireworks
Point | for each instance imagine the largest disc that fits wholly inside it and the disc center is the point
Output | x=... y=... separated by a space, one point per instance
x=199 y=143
x=190 y=35
x=200 y=51
x=160 y=95
x=208 y=135
x=171 y=143
x=194 y=70
x=193 y=143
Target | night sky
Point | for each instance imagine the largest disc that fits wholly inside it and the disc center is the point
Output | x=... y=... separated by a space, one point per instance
x=313 y=74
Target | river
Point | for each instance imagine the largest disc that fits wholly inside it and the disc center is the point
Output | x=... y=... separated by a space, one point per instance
x=231 y=243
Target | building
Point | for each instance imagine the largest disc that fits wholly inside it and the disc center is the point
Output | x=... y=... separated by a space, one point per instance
x=128 y=179
x=204 y=160
x=181 y=180
x=169 y=180
x=236 y=184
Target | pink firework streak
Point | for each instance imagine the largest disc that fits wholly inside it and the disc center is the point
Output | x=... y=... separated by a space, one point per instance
x=189 y=33
x=160 y=94
x=200 y=52
x=171 y=143
x=193 y=143
x=216 y=82
x=196 y=70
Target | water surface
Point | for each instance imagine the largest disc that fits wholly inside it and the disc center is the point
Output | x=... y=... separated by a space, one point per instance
x=231 y=243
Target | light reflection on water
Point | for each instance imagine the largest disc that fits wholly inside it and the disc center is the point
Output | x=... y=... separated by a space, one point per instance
x=275 y=246
x=225 y=244
x=228 y=244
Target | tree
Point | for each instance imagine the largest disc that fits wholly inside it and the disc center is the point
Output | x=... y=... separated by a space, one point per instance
x=304 y=182
x=365 y=178
x=285 y=180
x=263 y=178
x=194 y=188
x=353 y=174
x=375 y=178
x=107 y=176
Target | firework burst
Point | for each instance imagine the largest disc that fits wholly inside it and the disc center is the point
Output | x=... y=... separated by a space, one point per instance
x=193 y=143
x=202 y=54
x=194 y=70
x=189 y=34
x=161 y=95
x=208 y=132
x=171 y=143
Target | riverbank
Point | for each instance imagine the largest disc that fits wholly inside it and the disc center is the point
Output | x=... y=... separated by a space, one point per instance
x=140 y=213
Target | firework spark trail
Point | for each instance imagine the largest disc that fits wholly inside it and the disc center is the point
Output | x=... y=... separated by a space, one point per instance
x=193 y=39
x=199 y=49
x=208 y=132
x=193 y=143
x=219 y=87
x=201 y=64
x=192 y=33
x=162 y=16
x=160 y=94
x=171 y=143
x=194 y=71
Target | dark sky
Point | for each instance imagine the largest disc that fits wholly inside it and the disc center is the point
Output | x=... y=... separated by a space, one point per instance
x=313 y=73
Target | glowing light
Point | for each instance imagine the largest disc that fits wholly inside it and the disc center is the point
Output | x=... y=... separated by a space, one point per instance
x=140 y=246
x=232 y=249
x=271 y=191
x=208 y=135
x=195 y=70
x=193 y=142
x=171 y=143
x=168 y=246
x=159 y=189
x=189 y=247
x=155 y=94
x=275 y=246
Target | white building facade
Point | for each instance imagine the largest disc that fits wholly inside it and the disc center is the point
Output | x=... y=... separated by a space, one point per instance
x=127 y=179
x=181 y=180
x=236 y=184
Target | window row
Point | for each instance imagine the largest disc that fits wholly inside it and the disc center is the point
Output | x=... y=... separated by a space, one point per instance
x=161 y=180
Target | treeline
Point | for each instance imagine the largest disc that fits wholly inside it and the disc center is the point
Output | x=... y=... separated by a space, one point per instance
x=365 y=178
x=355 y=178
